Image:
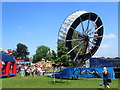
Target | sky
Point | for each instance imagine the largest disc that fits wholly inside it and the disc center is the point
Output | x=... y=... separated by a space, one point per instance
x=60 y=0
x=38 y=23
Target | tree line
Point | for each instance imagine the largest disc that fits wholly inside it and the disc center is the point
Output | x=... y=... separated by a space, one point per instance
x=60 y=58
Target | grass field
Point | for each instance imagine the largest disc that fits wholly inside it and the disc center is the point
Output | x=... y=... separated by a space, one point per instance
x=47 y=82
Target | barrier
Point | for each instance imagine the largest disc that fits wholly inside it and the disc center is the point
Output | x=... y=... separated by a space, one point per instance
x=84 y=72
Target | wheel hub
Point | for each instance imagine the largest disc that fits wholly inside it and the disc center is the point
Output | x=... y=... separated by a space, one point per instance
x=86 y=38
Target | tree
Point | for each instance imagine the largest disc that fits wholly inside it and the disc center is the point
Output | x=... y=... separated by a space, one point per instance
x=62 y=49
x=102 y=57
x=53 y=55
x=62 y=57
x=15 y=54
x=41 y=52
x=21 y=52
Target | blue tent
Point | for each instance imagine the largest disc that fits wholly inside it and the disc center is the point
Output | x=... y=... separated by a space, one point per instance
x=84 y=72
x=66 y=73
x=98 y=72
x=6 y=58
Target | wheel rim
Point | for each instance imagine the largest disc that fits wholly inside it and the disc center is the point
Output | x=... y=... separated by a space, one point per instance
x=82 y=31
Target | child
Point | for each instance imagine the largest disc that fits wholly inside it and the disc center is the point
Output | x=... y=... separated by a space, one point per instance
x=28 y=71
x=22 y=72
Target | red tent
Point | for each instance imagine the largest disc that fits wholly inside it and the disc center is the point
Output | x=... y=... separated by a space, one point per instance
x=9 y=62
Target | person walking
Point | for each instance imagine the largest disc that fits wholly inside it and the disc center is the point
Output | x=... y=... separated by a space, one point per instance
x=38 y=70
x=32 y=71
x=105 y=79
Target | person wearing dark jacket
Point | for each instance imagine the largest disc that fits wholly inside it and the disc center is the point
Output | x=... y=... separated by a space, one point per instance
x=105 y=78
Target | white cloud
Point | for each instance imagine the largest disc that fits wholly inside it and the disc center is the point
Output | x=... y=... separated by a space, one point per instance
x=109 y=36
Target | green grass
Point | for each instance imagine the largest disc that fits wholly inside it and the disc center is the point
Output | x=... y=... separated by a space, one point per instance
x=46 y=82
x=0 y=84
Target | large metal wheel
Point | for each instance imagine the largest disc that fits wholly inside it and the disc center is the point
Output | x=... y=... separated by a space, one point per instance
x=82 y=32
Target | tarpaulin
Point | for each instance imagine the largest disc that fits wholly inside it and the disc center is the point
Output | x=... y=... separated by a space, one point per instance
x=84 y=72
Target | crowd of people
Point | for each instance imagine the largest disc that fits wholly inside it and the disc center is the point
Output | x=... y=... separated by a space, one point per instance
x=33 y=71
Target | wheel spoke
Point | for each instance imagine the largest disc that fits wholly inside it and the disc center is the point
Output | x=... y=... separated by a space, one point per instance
x=96 y=19
x=88 y=25
x=90 y=50
x=82 y=26
x=74 y=48
x=96 y=30
x=96 y=37
x=80 y=61
x=72 y=28
x=93 y=44
x=77 y=53
x=93 y=25
x=90 y=29
x=76 y=30
x=87 y=51
x=74 y=40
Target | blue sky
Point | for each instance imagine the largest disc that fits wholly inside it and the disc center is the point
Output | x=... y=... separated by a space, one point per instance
x=60 y=0
x=38 y=23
